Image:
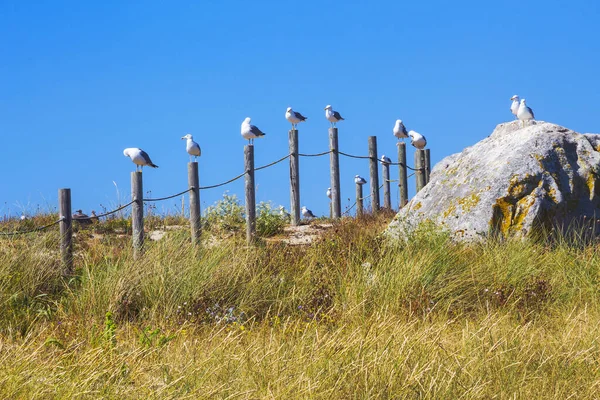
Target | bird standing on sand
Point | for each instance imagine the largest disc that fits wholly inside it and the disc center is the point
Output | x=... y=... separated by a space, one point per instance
x=139 y=157
x=250 y=132
x=525 y=114
x=359 y=180
x=192 y=148
x=332 y=116
x=514 y=107
x=294 y=117
x=400 y=130
x=417 y=140
x=306 y=213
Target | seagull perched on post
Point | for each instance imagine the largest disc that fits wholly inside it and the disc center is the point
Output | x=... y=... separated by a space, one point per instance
x=294 y=117
x=400 y=130
x=306 y=213
x=329 y=193
x=139 y=157
x=192 y=148
x=332 y=116
x=417 y=140
x=359 y=180
x=250 y=132
x=514 y=107
x=524 y=113
x=385 y=160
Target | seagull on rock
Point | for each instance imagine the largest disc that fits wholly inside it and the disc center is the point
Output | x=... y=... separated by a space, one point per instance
x=385 y=160
x=250 y=132
x=332 y=116
x=359 y=180
x=400 y=130
x=192 y=148
x=139 y=157
x=524 y=113
x=417 y=140
x=294 y=117
x=514 y=107
x=306 y=213
x=329 y=193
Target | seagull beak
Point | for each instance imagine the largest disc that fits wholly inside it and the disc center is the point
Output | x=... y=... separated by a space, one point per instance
x=325 y=108
x=183 y=137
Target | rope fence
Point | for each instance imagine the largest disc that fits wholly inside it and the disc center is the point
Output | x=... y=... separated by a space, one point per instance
x=37 y=229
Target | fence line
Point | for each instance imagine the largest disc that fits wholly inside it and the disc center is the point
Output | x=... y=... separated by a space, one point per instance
x=169 y=197
x=37 y=229
x=315 y=155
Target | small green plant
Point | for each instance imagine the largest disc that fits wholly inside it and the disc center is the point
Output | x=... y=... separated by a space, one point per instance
x=110 y=330
x=269 y=221
x=149 y=337
x=226 y=214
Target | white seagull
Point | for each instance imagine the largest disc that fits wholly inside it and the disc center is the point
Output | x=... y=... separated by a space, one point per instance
x=250 y=132
x=417 y=140
x=306 y=213
x=400 y=130
x=139 y=157
x=294 y=117
x=329 y=193
x=192 y=148
x=332 y=116
x=385 y=160
x=359 y=180
x=514 y=107
x=524 y=113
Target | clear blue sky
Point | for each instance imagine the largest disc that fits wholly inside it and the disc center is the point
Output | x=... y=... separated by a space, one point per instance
x=81 y=81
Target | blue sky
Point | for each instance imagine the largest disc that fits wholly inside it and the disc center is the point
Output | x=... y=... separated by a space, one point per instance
x=81 y=81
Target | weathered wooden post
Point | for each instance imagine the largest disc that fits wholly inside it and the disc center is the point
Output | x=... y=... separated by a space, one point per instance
x=294 y=178
x=66 y=230
x=427 y=165
x=387 y=197
x=250 y=193
x=359 y=201
x=334 y=161
x=374 y=173
x=420 y=169
x=194 y=185
x=137 y=213
x=402 y=175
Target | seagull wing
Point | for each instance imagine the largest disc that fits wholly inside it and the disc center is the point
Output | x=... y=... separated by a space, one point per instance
x=299 y=116
x=531 y=111
x=255 y=131
x=337 y=116
x=147 y=159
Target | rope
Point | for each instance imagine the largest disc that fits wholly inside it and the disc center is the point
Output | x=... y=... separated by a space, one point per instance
x=110 y=212
x=224 y=183
x=40 y=228
x=271 y=164
x=352 y=156
x=315 y=155
x=169 y=197
x=402 y=164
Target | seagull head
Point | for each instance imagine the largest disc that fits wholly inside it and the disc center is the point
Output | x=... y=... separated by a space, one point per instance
x=515 y=97
x=328 y=107
x=289 y=109
x=188 y=136
x=247 y=120
x=411 y=133
x=523 y=101
x=357 y=176
x=126 y=152
x=398 y=121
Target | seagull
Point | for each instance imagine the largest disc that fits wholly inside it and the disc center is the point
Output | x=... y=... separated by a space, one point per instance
x=94 y=217
x=23 y=217
x=385 y=160
x=332 y=116
x=524 y=113
x=294 y=117
x=192 y=147
x=139 y=157
x=400 y=130
x=250 y=132
x=329 y=193
x=81 y=218
x=417 y=140
x=514 y=107
x=359 y=180
x=283 y=213
x=306 y=213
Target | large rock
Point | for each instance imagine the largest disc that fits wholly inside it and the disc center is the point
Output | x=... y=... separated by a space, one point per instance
x=511 y=183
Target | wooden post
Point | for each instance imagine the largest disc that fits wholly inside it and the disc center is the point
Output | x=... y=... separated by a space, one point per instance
x=374 y=173
x=137 y=213
x=387 y=197
x=334 y=161
x=294 y=177
x=250 y=194
x=402 y=175
x=66 y=231
x=194 y=182
x=330 y=209
x=420 y=169
x=427 y=165
x=359 y=201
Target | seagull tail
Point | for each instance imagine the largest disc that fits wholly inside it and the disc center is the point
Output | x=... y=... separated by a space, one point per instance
x=153 y=165
x=261 y=134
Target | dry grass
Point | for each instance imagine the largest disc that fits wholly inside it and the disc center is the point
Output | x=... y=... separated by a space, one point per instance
x=350 y=316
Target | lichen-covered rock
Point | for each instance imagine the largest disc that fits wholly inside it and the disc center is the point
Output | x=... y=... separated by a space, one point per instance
x=511 y=184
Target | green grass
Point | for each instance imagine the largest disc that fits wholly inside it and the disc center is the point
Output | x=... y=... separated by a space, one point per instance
x=352 y=316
